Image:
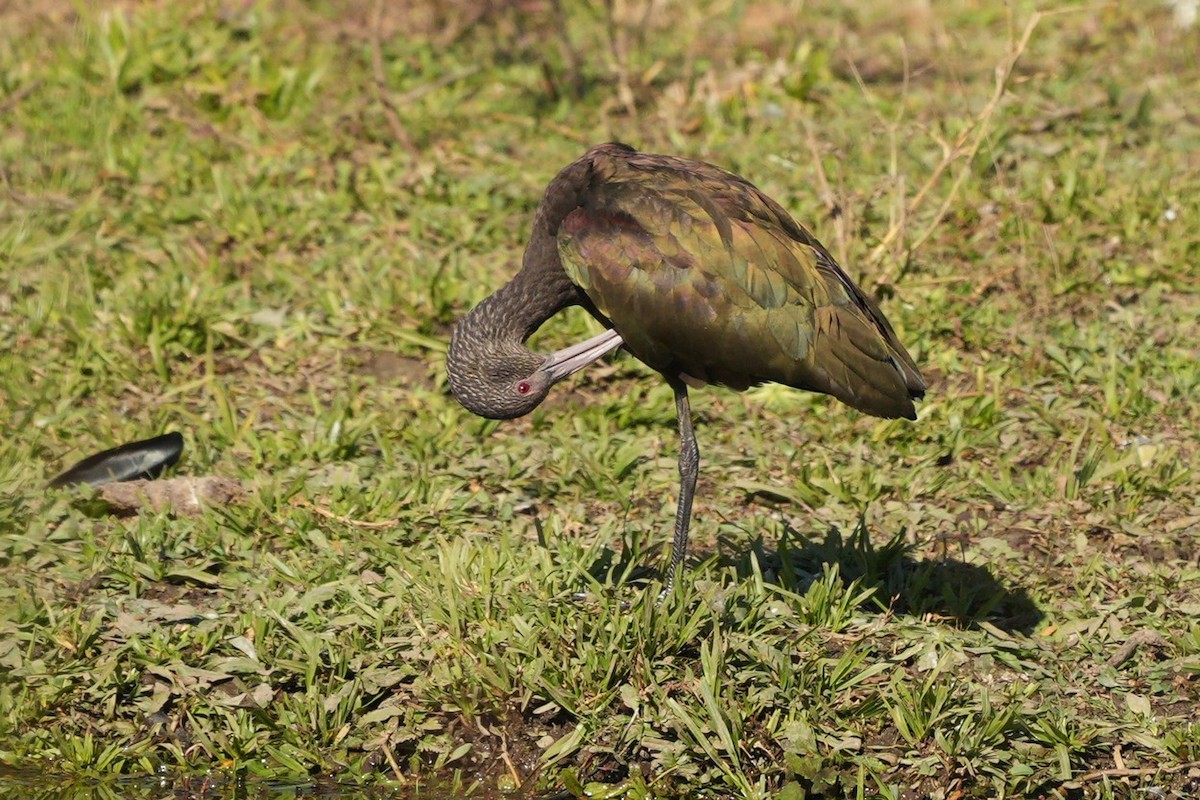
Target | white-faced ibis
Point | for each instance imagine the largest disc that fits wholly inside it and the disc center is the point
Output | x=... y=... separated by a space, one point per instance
x=698 y=274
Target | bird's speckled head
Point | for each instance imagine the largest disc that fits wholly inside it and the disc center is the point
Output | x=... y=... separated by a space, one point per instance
x=494 y=375
x=494 y=379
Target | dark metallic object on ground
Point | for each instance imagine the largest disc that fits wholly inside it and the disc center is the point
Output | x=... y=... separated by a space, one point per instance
x=145 y=459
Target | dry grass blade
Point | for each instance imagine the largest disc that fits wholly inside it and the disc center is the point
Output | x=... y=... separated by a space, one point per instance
x=372 y=525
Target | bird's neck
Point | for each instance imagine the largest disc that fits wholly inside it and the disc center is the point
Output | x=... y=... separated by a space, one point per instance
x=494 y=332
x=512 y=314
x=541 y=289
x=500 y=324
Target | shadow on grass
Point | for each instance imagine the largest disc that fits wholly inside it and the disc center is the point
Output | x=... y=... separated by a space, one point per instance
x=962 y=594
x=948 y=589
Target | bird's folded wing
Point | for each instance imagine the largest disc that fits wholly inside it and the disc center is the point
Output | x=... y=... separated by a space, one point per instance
x=705 y=276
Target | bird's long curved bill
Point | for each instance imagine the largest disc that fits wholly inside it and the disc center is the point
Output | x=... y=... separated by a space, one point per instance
x=570 y=360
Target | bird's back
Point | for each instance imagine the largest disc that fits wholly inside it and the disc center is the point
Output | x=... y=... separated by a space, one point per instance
x=705 y=276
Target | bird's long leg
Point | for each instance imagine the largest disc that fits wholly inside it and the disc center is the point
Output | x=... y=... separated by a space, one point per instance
x=689 y=470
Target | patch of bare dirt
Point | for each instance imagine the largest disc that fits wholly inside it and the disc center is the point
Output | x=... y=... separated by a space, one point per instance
x=391 y=368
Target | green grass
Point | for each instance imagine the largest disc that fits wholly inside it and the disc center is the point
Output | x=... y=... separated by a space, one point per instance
x=216 y=220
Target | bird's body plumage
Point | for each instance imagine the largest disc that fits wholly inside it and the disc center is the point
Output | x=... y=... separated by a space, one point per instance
x=706 y=277
x=698 y=274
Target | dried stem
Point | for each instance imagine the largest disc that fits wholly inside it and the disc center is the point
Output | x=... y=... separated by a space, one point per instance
x=835 y=209
x=399 y=132
x=1101 y=774
x=963 y=149
x=15 y=99
x=619 y=50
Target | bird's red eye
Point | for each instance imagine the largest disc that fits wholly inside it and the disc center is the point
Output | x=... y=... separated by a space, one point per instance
x=523 y=387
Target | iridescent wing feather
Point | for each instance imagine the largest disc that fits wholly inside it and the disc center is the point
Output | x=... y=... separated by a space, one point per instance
x=706 y=277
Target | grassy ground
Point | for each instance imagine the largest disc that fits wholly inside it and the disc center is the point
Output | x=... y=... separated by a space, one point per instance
x=255 y=223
